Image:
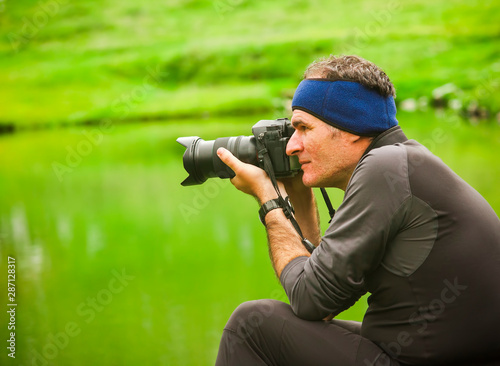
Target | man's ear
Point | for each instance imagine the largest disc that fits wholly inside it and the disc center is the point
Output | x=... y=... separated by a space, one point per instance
x=349 y=137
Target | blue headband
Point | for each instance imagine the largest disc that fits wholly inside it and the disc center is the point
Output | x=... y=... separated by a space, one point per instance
x=346 y=105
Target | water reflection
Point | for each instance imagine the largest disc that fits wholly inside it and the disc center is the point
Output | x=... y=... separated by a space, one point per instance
x=221 y=231
x=95 y=241
x=147 y=313
x=246 y=243
x=19 y=226
x=64 y=227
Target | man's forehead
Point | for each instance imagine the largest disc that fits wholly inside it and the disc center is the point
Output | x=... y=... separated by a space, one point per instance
x=300 y=116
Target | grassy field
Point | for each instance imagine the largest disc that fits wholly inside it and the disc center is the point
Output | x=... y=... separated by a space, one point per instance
x=72 y=62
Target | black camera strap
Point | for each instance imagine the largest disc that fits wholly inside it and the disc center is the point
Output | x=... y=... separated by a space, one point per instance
x=265 y=159
x=331 y=210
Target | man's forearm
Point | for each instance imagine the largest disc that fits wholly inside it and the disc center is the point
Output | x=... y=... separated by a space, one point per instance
x=284 y=242
x=307 y=216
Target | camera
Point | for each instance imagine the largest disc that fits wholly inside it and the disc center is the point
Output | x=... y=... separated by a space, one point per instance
x=269 y=136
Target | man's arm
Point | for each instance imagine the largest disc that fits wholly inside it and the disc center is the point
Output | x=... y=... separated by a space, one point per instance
x=284 y=242
x=306 y=210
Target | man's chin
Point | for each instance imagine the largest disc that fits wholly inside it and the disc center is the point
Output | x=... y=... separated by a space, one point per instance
x=308 y=182
x=312 y=182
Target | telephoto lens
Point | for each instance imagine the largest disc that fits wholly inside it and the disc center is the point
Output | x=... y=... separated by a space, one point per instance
x=270 y=136
x=201 y=160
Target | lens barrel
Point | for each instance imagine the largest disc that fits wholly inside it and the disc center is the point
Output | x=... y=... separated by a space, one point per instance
x=201 y=161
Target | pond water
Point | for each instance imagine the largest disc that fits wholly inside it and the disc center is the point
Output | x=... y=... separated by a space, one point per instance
x=117 y=264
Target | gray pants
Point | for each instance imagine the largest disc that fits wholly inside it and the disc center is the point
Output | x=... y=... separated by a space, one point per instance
x=266 y=332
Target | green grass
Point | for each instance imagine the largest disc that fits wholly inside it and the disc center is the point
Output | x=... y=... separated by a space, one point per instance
x=224 y=57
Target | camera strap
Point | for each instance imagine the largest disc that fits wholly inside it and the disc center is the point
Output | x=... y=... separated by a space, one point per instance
x=331 y=210
x=263 y=155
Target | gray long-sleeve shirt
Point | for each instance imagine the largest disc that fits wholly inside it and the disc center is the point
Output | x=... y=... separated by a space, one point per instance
x=424 y=243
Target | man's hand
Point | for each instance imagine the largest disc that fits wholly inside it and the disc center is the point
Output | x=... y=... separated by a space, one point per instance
x=304 y=202
x=255 y=181
x=295 y=184
x=284 y=242
x=250 y=179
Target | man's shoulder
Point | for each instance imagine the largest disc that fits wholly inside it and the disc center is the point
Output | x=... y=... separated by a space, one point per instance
x=385 y=158
x=384 y=168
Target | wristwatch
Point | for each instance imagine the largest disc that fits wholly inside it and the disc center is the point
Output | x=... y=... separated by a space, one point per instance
x=266 y=207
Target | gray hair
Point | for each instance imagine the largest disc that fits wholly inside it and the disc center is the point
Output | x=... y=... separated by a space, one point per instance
x=351 y=68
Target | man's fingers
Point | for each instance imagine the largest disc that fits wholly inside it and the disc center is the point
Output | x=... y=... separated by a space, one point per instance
x=229 y=159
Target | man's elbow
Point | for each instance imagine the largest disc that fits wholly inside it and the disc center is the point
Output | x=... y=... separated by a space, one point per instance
x=308 y=311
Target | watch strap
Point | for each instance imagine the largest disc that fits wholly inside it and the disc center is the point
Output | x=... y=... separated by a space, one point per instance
x=267 y=207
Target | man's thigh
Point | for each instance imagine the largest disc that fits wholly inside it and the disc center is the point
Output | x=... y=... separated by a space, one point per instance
x=268 y=330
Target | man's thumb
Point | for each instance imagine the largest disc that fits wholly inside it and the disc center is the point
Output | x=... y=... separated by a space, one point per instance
x=228 y=158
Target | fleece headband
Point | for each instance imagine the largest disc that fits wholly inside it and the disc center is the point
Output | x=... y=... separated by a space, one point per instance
x=346 y=105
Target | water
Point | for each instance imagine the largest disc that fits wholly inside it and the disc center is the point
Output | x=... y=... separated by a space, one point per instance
x=117 y=264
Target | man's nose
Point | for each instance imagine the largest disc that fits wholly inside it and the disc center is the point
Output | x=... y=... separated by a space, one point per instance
x=294 y=145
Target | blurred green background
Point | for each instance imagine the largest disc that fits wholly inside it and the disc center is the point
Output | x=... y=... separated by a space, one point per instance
x=116 y=263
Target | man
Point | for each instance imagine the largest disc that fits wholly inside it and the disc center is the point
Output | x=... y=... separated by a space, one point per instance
x=409 y=231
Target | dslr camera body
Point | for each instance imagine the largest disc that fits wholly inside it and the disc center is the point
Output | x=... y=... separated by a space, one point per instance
x=201 y=161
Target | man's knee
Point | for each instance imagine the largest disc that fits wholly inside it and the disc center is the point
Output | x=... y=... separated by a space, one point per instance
x=251 y=315
x=253 y=324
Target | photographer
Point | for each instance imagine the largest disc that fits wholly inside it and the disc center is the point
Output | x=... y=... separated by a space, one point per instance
x=409 y=231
